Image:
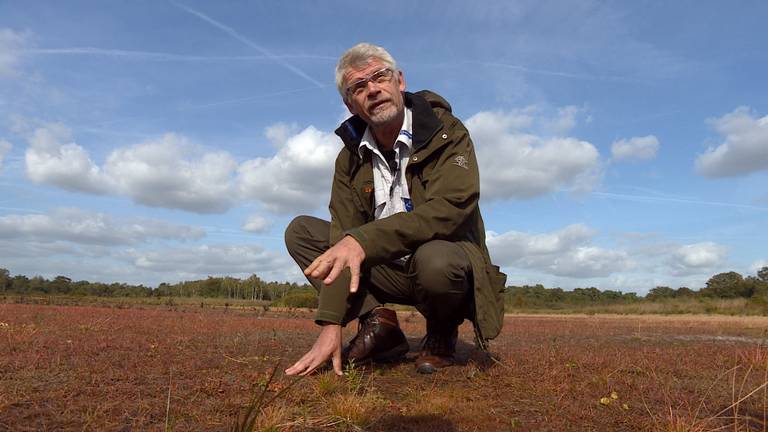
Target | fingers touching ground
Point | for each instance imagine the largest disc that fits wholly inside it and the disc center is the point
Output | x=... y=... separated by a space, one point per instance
x=327 y=345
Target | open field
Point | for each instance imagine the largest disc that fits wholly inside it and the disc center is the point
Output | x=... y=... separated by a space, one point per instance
x=192 y=368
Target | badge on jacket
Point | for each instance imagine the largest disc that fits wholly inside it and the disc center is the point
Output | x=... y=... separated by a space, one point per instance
x=461 y=161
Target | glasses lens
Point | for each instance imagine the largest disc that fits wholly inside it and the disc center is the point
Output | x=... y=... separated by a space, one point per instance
x=381 y=76
x=357 y=88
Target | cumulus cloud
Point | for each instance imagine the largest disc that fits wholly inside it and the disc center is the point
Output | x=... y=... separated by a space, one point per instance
x=744 y=149
x=171 y=172
x=168 y=171
x=11 y=45
x=697 y=257
x=297 y=178
x=519 y=164
x=53 y=157
x=211 y=260
x=639 y=148
x=566 y=252
x=257 y=224
x=564 y=121
x=757 y=265
x=82 y=227
x=5 y=148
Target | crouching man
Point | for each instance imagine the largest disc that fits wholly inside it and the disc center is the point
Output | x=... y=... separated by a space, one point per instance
x=405 y=226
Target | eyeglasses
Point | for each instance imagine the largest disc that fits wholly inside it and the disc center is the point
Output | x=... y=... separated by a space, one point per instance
x=357 y=88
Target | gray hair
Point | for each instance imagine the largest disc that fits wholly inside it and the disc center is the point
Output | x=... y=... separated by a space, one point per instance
x=359 y=56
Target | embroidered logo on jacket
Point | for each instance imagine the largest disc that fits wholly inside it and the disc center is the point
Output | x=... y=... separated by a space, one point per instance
x=461 y=161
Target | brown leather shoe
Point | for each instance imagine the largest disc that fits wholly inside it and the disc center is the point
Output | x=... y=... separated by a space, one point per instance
x=378 y=339
x=438 y=349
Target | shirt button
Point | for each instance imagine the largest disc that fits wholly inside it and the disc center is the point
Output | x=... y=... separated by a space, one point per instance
x=445 y=136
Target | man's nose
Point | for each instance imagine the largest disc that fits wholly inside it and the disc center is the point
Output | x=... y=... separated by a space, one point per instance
x=372 y=88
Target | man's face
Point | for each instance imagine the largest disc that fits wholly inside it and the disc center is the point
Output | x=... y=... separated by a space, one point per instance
x=379 y=103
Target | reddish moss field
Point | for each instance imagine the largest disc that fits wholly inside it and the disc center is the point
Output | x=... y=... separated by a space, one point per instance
x=133 y=369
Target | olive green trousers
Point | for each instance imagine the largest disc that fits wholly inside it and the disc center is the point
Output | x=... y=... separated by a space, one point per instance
x=436 y=279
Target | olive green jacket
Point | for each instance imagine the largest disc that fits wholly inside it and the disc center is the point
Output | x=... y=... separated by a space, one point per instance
x=444 y=185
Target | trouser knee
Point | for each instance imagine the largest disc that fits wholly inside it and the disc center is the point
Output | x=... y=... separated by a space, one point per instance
x=298 y=231
x=440 y=267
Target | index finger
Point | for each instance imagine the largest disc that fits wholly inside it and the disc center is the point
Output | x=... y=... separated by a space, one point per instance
x=354 y=282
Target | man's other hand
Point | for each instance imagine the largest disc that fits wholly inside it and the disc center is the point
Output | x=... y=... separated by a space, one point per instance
x=328 y=344
x=328 y=266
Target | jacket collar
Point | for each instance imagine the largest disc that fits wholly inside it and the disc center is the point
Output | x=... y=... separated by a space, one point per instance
x=425 y=124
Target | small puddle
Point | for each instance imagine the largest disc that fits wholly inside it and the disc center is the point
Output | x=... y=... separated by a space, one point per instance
x=711 y=338
x=707 y=338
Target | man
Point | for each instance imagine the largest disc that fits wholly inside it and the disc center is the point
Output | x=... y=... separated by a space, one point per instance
x=405 y=225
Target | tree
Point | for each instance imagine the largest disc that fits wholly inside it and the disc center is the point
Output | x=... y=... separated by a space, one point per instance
x=5 y=280
x=726 y=285
x=762 y=274
x=660 y=293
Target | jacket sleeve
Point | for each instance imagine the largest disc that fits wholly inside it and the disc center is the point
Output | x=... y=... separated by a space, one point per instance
x=451 y=182
x=344 y=212
x=332 y=299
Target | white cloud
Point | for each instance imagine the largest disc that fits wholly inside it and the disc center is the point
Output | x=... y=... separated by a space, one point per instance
x=52 y=157
x=257 y=224
x=565 y=252
x=697 y=257
x=201 y=261
x=11 y=45
x=297 y=178
x=88 y=228
x=640 y=148
x=5 y=148
x=171 y=172
x=564 y=121
x=516 y=164
x=744 y=150
x=757 y=265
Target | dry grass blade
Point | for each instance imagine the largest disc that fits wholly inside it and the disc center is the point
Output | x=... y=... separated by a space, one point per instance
x=709 y=389
x=257 y=404
x=742 y=399
x=168 y=403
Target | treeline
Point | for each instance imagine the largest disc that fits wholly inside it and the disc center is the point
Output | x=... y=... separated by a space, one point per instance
x=252 y=288
x=727 y=285
x=723 y=286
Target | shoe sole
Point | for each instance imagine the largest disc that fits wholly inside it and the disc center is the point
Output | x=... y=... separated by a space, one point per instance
x=429 y=368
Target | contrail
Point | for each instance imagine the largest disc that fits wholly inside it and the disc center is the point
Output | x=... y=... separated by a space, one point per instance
x=556 y=73
x=159 y=56
x=248 y=99
x=642 y=198
x=232 y=32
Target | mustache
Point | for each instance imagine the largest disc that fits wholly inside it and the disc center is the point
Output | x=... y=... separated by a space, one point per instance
x=378 y=102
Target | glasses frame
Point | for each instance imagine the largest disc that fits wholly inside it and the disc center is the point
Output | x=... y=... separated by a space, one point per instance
x=362 y=84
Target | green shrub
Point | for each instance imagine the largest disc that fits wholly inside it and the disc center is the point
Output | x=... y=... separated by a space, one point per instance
x=300 y=300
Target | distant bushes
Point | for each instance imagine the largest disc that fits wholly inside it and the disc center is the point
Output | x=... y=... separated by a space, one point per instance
x=722 y=286
x=753 y=290
x=300 y=300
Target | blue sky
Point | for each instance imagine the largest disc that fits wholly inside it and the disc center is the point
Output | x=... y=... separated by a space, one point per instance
x=622 y=145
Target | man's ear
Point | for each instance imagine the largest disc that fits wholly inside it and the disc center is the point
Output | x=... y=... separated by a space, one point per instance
x=349 y=106
x=401 y=78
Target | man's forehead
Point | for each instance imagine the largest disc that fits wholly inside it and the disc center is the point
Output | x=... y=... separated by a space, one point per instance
x=354 y=73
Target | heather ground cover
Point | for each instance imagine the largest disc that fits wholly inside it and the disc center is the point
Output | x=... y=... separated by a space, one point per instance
x=201 y=368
